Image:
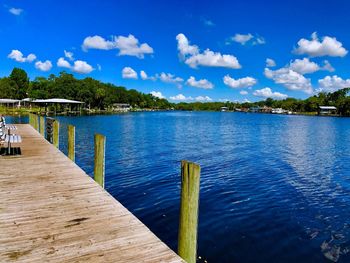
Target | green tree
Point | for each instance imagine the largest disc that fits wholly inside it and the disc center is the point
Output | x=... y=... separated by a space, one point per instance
x=20 y=78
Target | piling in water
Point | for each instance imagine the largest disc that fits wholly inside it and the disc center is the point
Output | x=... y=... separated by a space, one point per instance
x=71 y=142
x=56 y=133
x=99 y=170
x=187 y=241
x=42 y=126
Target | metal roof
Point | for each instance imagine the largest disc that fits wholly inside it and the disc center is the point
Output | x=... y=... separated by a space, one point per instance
x=328 y=108
x=56 y=100
x=8 y=101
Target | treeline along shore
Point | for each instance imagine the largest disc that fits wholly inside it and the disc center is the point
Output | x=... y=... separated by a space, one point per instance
x=97 y=95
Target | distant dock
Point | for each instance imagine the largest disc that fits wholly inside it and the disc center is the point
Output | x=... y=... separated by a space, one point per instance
x=52 y=211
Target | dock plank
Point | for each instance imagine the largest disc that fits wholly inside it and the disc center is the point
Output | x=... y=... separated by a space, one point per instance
x=52 y=211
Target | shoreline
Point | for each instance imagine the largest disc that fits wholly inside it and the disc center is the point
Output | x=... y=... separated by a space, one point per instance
x=109 y=112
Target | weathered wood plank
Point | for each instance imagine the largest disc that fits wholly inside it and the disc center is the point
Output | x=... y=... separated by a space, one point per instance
x=99 y=169
x=52 y=211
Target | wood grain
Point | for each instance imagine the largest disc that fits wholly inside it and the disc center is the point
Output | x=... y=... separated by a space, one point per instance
x=52 y=211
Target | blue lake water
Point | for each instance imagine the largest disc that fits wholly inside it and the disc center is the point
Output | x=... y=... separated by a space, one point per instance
x=274 y=188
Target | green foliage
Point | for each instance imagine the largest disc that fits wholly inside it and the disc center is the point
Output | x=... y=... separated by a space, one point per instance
x=100 y=95
x=21 y=82
x=94 y=93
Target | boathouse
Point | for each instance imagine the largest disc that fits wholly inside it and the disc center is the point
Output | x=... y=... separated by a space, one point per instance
x=327 y=110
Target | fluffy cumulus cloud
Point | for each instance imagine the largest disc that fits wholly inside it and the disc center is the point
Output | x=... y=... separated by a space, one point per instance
x=82 y=67
x=19 y=57
x=181 y=97
x=202 y=83
x=268 y=93
x=62 y=63
x=144 y=76
x=157 y=94
x=304 y=66
x=203 y=98
x=242 y=38
x=16 y=11
x=327 y=46
x=169 y=78
x=78 y=66
x=332 y=83
x=290 y=79
x=247 y=38
x=270 y=63
x=97 y=42
x=43 y=66
x=243 y=92
x=129 y=73
x=194 y=58
x=130 y=46
x=127 y=45
x=239 y=83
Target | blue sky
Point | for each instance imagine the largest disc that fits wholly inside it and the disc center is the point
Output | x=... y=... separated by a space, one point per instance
x=189 y=50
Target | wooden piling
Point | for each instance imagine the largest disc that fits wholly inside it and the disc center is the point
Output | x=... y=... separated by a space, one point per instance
x=56 y=133
x=35 y=122
x=30 y=116
x=187 y=240
x=71 y=142
x=42 y=126
x=99 y=170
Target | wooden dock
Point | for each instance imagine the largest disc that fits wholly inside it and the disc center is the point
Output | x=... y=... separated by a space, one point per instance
x=52 y=211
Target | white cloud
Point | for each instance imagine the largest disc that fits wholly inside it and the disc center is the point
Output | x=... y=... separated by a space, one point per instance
x=270 y=63
x=304 y=66
x=213 y=59
x=239 y=83
x=157 y=94
x=144 y=76
x=259 y=41
x=129 y=73
x=184 y=47
x=127 y=45
x=243 y=92
x=69 y=55
x=290 y=79
x=43 y=66
x=170 y=78
x=329 y=46
x=332 y=83
x=181 y=97
x=78 y=66
x=97 y=42
x=267 y=93
x=203 y=98
x=327 y=66
x=62 y=63
x=242 y=38
x=130 y=46
x=16 y=11
x=247 y=38
x=81 y=67
x=192 y=56
x=18 y=56
x=202 y=83
x=99 y=67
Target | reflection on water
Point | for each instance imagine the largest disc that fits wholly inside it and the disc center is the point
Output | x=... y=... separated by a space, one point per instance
x=273 y=188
